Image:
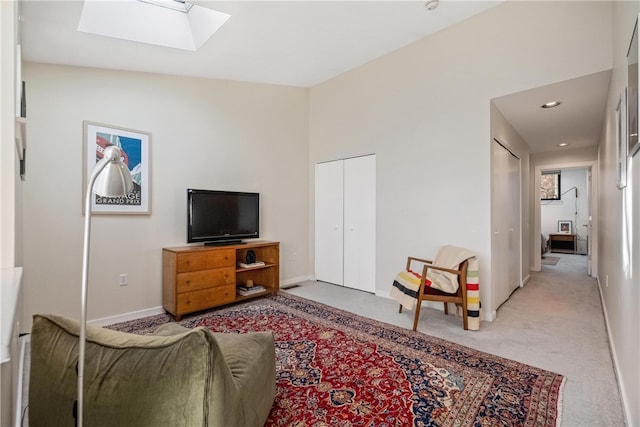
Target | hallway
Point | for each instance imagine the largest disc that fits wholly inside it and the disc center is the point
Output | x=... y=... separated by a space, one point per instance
x=554 y=322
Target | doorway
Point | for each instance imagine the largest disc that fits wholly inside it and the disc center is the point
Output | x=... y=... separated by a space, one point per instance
x=581 y=211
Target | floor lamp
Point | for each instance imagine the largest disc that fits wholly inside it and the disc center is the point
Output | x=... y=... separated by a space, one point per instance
x=110 y=177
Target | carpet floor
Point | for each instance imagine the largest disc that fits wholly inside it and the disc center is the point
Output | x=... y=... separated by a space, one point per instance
x=337 y=368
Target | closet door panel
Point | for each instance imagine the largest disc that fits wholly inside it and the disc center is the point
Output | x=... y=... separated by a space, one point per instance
x=506 y=247
x=360 y=223
x=329 y=225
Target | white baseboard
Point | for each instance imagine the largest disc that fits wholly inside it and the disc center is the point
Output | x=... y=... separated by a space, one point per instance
x=110 y=320
x=126 y=316
x=616 y=365
x=292 y=282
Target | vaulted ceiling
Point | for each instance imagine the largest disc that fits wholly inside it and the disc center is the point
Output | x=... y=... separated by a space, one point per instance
x=304 y=43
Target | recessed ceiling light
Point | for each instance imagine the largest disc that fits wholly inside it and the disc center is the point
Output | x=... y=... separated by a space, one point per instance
x=432 y=4
x=550 y=104
x=563 y=144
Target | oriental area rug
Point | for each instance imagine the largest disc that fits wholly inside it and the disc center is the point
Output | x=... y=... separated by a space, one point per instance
x=335 y=368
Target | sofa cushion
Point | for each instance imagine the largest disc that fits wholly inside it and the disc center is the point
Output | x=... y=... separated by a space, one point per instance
x=178 y=377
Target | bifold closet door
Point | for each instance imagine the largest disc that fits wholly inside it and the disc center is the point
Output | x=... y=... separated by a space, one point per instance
x=345 y=222
x=360 y=223
x=329 y=230
x=506 y=248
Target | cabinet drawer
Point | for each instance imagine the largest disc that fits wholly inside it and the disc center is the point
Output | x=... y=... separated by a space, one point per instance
x=205 y=260
x=195 y=280
x=206 y=298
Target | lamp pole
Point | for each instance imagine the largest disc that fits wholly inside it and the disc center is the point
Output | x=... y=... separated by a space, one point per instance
x=117 y=182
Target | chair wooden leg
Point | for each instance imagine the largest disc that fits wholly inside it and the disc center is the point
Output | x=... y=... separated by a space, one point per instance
x=400 y=310
x=446 y=308
x=465 y=320
x=415 y=319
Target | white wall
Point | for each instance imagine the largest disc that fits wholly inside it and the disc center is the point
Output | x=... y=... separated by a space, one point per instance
x=569 y=207
x=619 y=261
x=205 y=134
x=586 y=154
x=425 y=109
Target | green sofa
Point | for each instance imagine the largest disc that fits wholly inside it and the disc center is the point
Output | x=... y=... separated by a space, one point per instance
x=176 y=377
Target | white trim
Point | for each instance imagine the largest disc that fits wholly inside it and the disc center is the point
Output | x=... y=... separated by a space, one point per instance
x=110 y=320
x=626 y=407
x=104 y=321
x=292 y=282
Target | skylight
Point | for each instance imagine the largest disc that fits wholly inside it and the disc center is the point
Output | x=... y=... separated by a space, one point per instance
x=180 y=6
x=169 y=23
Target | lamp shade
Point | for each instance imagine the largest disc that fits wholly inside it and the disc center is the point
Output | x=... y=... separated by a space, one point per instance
x=115 y=178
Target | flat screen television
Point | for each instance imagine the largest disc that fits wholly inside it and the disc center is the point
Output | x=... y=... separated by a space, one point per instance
x=222 y=217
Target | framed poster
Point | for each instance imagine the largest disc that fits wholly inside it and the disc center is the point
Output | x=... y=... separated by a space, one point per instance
x=564 y=227
x=134 y=146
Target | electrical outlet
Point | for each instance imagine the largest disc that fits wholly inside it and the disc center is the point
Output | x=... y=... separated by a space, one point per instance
x=124 y=279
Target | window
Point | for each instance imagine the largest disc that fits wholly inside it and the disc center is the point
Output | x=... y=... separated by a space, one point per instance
x=550 y=185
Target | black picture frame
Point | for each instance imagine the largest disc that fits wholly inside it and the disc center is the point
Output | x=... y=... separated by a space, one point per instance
x=23 y=100
x=622 y=140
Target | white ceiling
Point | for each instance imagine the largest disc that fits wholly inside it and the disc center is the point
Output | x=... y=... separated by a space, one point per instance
x=304 y=43
x=577 y=121
x=297 y=43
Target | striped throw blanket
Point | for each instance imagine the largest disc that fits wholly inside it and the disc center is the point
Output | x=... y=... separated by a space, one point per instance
x=406 y=284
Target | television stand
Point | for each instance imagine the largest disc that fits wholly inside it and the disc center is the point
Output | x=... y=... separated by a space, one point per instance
x=225 y=242
x=563 y=243
x=197 y=278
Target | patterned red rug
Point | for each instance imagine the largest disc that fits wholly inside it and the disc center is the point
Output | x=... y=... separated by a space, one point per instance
x=335 y=368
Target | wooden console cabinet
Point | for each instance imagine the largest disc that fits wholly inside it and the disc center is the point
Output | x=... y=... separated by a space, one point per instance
x=563 y=243
x=196 y=278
